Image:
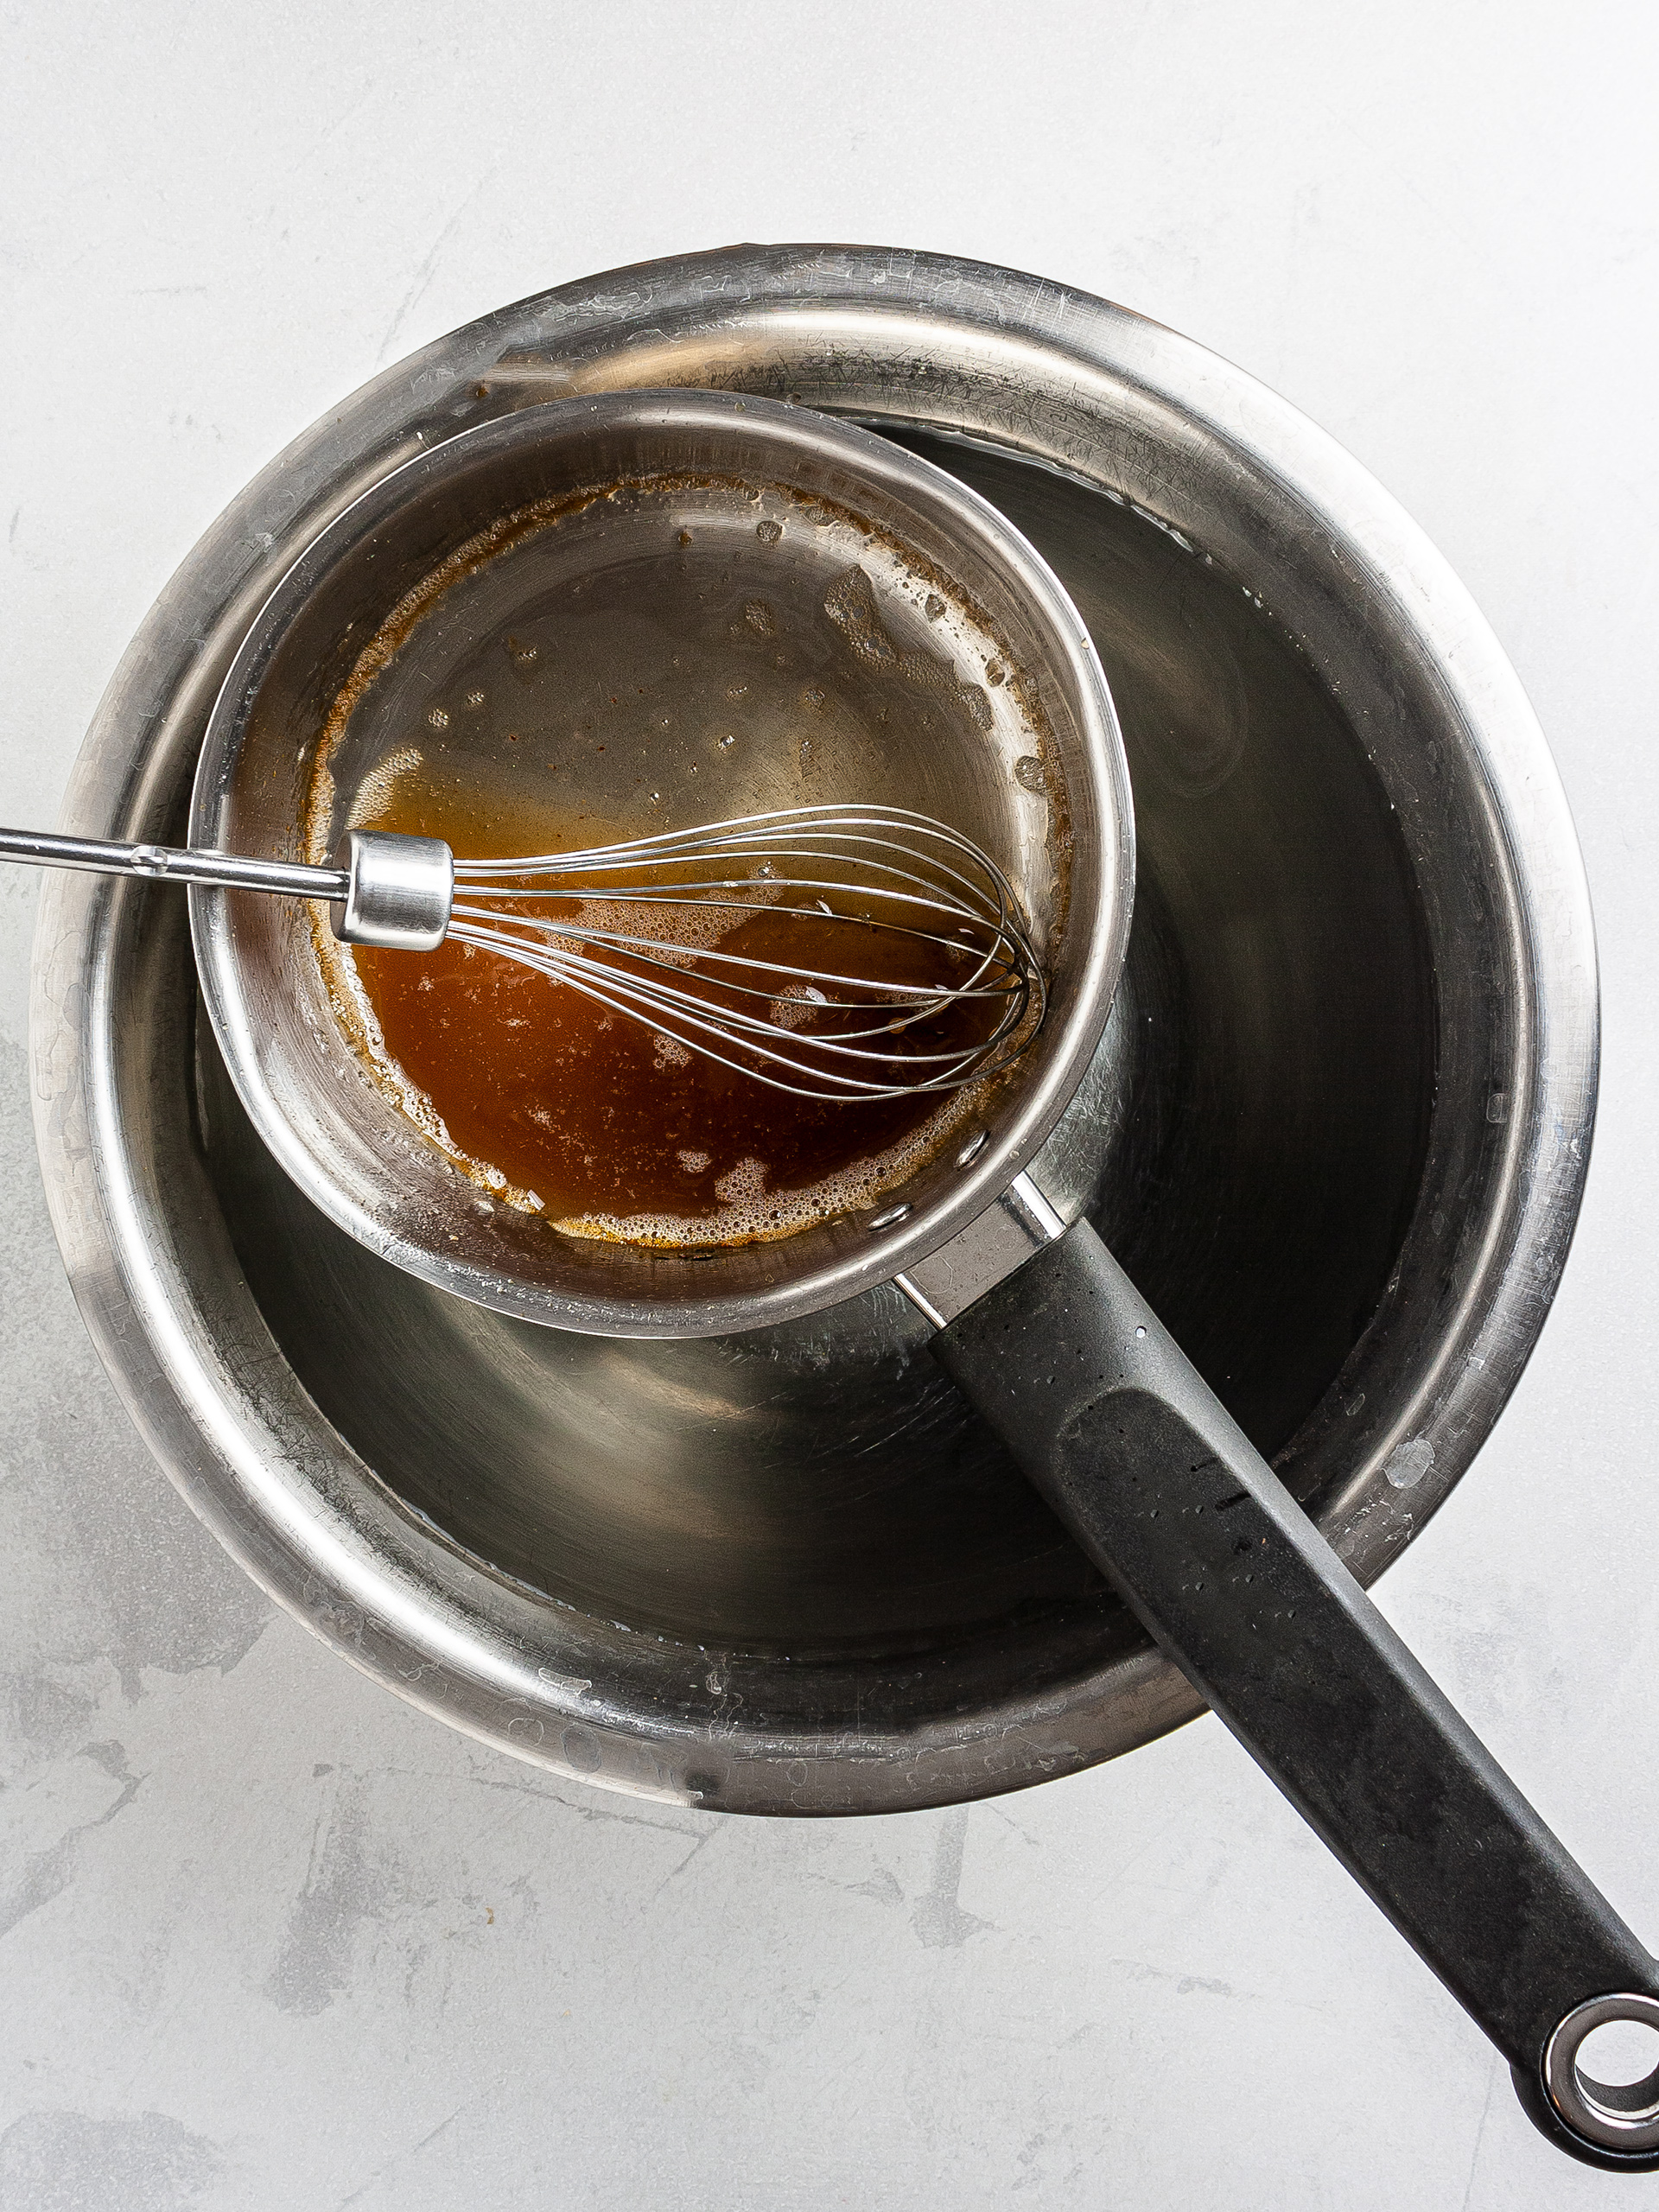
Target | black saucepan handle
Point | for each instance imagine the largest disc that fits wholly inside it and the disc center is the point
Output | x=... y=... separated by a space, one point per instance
x=1167 y=1495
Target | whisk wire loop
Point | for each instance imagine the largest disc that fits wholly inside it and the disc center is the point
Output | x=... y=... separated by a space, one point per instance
x=646 y=941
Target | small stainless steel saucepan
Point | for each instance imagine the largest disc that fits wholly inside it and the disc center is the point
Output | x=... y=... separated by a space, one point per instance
x=691 y=596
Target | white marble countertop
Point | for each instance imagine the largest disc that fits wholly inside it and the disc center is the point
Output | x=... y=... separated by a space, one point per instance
x=272 y=1939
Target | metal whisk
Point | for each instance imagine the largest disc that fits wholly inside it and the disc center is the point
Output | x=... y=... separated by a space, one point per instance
x=906 y=965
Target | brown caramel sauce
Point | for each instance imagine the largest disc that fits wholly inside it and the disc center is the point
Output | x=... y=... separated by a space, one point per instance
x=610 y=1129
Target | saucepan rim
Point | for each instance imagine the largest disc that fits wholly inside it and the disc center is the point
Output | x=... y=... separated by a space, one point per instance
x=1027 y=1103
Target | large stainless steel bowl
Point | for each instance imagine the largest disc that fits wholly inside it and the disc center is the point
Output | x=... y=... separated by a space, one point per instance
x=1336 y=1132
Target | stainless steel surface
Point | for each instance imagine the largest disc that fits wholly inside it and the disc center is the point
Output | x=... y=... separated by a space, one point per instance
x=115 y=856
x=948 y=1282
x=1622 y=2116
x=1337 y=1130
x=686 y=545
x=399 y=892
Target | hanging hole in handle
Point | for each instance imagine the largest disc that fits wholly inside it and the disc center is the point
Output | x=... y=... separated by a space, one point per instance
x=1619 y=2053
x=1620 y=2036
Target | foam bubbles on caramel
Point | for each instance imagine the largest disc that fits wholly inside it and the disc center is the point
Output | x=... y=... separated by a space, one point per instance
x=750 y=1213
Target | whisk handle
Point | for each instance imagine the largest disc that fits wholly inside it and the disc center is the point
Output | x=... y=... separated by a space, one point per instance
x=392 y=891
x=176 y=864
